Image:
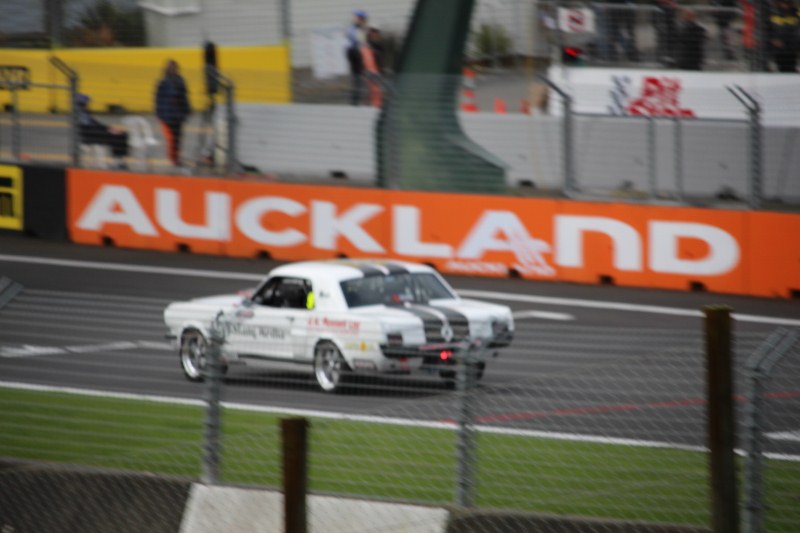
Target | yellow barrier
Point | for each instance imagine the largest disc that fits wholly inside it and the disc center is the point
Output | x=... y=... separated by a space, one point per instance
x=127 y=77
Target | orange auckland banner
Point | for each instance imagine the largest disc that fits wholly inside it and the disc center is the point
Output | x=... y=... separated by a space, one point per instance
x=745 y=252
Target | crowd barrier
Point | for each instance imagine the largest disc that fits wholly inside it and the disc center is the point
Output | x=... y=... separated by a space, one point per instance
x=32 y=201
x=127 y=77
x=728 y=251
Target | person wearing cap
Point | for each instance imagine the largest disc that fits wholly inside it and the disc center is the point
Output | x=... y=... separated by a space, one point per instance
x=356 y=39
x=92 y=131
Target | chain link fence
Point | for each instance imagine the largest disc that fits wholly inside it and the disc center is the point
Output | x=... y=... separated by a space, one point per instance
x=526 y=141
x=604 y=423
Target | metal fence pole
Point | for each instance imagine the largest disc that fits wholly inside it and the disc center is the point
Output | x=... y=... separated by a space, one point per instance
x=231 y=162
x=213 y=391
x=679 y=177
x=567 y=134
x=465 y=383
x=16 y=133
x=754 y=113
x=651 y=157
x=759 y=365
x=74 y=136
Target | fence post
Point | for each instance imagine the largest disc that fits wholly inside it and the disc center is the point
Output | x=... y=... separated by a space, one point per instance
x=16 y=137
x=73 y=79
x=567 y=134
x=721 y=423
x=295 y=473
x=754 y=113
x=759 y=366
x=465 y=383
x=679 y=185
x=651 y=159
x=212 y=394
x=231 y=162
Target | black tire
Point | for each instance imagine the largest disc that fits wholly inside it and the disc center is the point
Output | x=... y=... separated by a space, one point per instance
x=330 y=368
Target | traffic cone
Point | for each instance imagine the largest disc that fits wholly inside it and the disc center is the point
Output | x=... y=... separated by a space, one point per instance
x=468 y=103
x=500 y=106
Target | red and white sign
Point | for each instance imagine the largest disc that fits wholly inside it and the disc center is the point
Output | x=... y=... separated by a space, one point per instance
x=576 y=20
x=677 y=93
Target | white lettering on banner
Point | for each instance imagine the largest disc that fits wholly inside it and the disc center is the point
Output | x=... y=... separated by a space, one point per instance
x=406 y=235
x=248 y=220
x=495 y=231
x=723 y=255
x=217 y=210
x=116 y=204
x=326 y=226
x=569 y=232
x=528 y=251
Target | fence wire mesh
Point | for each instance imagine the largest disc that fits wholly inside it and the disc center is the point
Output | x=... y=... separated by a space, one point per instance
x=522 y=139
x=606 y=423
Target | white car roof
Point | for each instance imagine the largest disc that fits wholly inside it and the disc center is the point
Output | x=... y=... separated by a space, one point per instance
x=338 y=270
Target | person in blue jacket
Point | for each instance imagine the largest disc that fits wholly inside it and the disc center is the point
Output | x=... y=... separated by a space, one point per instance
x=172 y=109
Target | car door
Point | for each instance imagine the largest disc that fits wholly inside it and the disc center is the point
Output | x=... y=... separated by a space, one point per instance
x=278 y=317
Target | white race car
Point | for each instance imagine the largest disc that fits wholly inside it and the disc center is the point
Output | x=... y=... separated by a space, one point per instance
x=339 y=317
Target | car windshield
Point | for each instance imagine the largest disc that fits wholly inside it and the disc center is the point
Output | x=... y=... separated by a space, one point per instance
x=394 y=289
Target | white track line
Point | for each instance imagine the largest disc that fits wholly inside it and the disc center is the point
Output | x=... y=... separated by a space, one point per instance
x=407 y=422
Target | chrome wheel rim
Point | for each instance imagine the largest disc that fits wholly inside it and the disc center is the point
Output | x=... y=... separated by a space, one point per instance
x=193 y=355
x=328 y=367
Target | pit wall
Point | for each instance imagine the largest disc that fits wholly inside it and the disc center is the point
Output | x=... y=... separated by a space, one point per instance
x=727 y=251
x=126 y=77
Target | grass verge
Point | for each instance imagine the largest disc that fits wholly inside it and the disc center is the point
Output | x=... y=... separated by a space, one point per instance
x=381 y=460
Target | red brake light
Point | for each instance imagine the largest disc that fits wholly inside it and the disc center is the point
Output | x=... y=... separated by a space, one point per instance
x=444 y=355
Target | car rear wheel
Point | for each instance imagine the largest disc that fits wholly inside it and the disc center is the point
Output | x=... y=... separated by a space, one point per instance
x=330 y=367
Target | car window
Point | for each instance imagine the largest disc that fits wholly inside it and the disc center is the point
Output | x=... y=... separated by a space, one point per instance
x=284 y=292
x=394 y=289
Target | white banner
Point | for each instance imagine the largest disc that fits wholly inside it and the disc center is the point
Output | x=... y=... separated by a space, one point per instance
x=328 y=58
x=576 y=20
x=676 y=93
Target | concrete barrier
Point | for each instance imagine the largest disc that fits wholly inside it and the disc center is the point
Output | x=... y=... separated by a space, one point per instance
x=214 y=509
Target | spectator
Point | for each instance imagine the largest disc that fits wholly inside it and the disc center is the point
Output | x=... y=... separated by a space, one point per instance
x=356 y=39
x=691 y=42
x=92 y=131
x=724 y=17
x=172 y=109
x=664 y=20
x=375 y=42
x=621 y=20
x=784 y=25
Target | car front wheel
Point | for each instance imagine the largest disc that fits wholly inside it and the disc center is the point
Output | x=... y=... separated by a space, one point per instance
x=194 y=355
x=330 y=367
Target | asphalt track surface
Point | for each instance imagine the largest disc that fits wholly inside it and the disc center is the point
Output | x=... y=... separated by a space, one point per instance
x=597 y=361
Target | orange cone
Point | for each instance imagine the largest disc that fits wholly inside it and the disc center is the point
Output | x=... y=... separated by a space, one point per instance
x=468 y=103
x=500 y=106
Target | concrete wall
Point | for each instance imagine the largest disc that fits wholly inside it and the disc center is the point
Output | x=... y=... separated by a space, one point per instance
x=314 y=141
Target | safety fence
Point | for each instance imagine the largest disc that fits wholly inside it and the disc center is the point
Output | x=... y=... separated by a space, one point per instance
x=608 y=423
x=629 y=130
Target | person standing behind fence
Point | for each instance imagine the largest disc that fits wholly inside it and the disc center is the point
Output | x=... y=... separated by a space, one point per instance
x=665 y=23
x=172 y=109
x=356 y=39
x=784 y=24
x=691 y=42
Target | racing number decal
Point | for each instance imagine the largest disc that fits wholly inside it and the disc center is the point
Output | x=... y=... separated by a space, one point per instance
x=10 y=197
